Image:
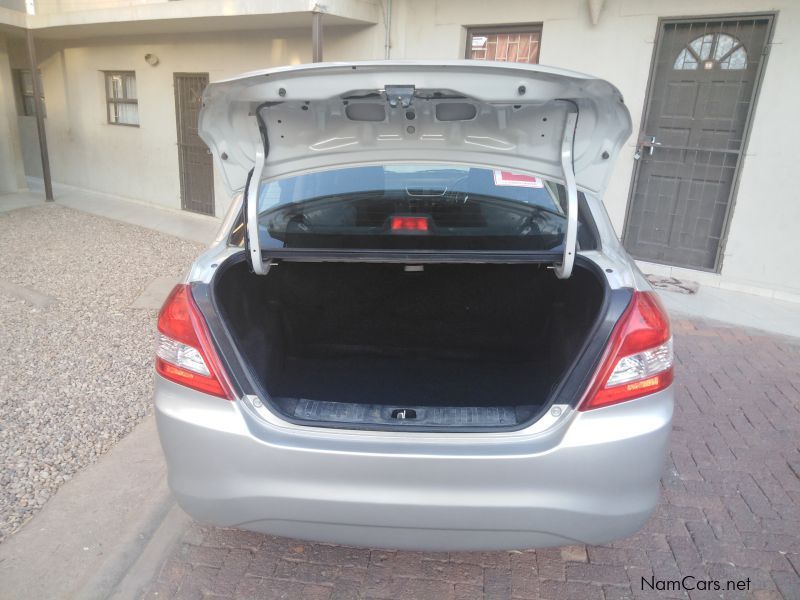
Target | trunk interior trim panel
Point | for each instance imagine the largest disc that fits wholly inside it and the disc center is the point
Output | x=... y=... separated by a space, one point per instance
x=413 y=256
x=421 y=416
x=566 y=392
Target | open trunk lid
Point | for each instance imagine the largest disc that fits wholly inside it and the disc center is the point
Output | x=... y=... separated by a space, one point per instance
x=551 y=123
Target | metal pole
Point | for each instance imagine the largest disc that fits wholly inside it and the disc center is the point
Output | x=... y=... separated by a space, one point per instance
x=316 y=37
x=39 y=111
x=387 y=23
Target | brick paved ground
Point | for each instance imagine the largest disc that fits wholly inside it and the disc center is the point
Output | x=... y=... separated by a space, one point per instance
x=730 y=510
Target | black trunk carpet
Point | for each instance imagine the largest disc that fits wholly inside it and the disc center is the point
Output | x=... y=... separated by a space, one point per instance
x=411 y=381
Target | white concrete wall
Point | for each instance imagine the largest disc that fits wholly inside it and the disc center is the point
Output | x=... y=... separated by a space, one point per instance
x=12 y=174
x=142 y=163
x=761 y=244
x=135 y=162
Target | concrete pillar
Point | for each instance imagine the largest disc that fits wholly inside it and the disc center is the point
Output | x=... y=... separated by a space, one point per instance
x=316 y=37
x=12 y=171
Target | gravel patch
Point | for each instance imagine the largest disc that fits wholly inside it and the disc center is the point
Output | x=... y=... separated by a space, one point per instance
x=76 y=374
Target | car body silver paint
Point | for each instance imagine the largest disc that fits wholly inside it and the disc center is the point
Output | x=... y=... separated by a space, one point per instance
x=578 y=477
x=591 y=478
x=575 y=477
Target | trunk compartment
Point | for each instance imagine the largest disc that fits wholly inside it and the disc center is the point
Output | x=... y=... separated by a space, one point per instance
x=434 y=345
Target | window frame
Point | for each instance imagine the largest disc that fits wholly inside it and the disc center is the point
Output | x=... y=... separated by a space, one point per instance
x=110 y=100
x=21 y=95
x=472 y=31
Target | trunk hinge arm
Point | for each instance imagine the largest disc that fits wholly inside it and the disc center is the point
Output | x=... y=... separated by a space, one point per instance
x=564 y=270
x=251 y=204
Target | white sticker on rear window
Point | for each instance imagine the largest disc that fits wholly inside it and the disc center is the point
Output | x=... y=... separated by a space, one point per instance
x=507 y=178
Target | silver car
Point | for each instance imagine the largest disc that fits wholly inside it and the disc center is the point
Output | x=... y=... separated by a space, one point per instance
x=417 y=328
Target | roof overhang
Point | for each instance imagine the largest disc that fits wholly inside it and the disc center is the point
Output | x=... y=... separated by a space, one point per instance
x=191 y=17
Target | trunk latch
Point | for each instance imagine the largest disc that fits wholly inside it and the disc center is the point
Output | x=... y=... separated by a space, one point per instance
x=404 y=414
x=399 y=94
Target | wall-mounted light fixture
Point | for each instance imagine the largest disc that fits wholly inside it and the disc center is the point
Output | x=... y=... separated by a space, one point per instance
x=151 y=59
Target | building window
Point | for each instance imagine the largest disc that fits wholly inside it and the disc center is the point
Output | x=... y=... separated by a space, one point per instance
x=712 y=50
x=25 y=99
x=122 y=103
x=511 y=44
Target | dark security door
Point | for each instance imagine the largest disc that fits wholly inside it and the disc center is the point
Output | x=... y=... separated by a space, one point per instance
x=701 y=96
x=194 y=157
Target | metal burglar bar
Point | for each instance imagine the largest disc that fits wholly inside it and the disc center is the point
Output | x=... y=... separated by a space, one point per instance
x=194 y=158
x=23 y=79
x=511 y=44
x=700 y=103
x=122 y=102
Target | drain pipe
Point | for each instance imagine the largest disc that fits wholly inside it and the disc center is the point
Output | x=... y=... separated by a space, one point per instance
x=39 y=112
x=316 y=35
x=387 y=25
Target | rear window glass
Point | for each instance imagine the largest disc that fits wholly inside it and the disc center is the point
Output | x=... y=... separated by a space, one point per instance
x=412 y=207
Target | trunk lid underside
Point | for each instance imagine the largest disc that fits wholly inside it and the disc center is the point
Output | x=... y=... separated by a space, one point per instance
x=556 y=124
x=333 y=115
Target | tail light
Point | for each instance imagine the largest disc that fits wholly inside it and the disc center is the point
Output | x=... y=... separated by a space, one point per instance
x=638 y=360
x=185 y=353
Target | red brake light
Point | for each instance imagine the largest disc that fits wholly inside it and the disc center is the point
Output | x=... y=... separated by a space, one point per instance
x=409 y=223
x=638 y=360
x=185 y=353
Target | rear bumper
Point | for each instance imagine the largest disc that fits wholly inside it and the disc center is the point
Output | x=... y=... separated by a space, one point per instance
x=594 y=477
